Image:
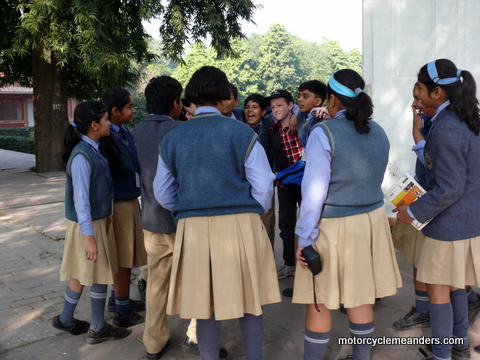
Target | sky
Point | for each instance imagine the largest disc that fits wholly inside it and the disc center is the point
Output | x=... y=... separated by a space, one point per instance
x=311 y=20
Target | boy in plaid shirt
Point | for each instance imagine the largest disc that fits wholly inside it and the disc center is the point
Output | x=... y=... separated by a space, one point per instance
x=287 y=150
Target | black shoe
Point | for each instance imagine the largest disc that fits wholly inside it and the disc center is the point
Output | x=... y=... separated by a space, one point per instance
x=473 y=309
x=460 y=353
x=349 y=357
x=131 y=319
x=343 y=310
x=288 y=292
x=108 y=333
x=142 y=289
x=137 y=305
x=477 y=349
x=160 y=353
x=190 y=347
x=412 y=319
x=78 y=327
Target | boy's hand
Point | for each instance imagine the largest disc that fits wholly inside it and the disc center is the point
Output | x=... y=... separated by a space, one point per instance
x=91 y=249
x=190 y=110
x=320 y=112
x=293 y=124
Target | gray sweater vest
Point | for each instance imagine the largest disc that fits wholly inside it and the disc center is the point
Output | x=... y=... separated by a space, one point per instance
x=206 y=155
x=358 y=166
x=100 y=196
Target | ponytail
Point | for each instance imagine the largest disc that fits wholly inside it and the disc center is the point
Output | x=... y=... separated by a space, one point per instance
x=348 y=86
x=70 y=140
x=84 y=114
x=461 y=94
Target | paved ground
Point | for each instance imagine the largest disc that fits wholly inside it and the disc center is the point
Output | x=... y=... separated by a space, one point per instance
x=32 y=229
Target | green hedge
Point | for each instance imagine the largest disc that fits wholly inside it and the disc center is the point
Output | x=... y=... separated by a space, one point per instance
x=17 y=143
x=20 y=131
x=18 y=139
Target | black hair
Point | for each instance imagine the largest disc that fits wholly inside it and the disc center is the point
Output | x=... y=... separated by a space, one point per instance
x=208 y=85
x=115 y=97
x=161 y=92
x=359 y=109
x=84 y=114
x=257 y=98
x=462 y=94
x=318 y=88
x=234 y=91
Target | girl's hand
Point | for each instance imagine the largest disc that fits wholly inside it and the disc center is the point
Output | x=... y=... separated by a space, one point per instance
x=402 y=214
x=417 y=126
x=300 y=258
x=91 y=249
x=320 y=112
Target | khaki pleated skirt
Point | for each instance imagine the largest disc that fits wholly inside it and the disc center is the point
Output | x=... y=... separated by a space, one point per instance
x=454 y=263
x=408 y=241
x=358 y=260
x=75 y=264
x=222 y=264
x=127 y=223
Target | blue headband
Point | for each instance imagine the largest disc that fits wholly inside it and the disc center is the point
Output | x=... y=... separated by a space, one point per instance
x=342 y=89
x=433 y=73
x=73 y=124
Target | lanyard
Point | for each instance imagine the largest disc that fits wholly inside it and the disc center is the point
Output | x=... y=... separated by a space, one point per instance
x=102 y=161
x=128 y=145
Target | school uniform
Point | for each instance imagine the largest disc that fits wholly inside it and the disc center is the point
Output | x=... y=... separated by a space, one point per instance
x=450 y=253
x=342 y=214
x=238 y=114
x=159 y=231
x=88 y=208
x=127 y=220
x=407 y=239
x=306 y=122
x=222 y=261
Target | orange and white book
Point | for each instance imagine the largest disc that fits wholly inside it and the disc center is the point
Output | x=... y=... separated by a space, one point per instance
x=404 y=192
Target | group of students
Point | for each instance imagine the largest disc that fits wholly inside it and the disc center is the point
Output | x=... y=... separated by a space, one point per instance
x=207 y=195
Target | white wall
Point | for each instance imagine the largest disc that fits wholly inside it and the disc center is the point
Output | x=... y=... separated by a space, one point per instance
x=399 y=37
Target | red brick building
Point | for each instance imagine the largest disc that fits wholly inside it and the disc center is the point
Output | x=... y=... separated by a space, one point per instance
x=16 y=107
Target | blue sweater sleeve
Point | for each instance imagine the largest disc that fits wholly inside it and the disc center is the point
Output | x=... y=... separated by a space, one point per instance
x=446 y=159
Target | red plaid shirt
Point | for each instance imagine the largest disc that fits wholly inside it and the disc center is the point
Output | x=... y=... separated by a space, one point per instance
x=291 y=145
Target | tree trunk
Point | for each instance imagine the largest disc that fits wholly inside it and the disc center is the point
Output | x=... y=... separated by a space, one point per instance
x=50 y=111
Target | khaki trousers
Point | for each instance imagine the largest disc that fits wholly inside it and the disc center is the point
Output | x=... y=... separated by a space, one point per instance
x=159 y=249
x=156 y=273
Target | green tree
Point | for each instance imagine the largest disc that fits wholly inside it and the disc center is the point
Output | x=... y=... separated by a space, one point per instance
x=79 y=48
x=355 y=60
x=279 y=63
x=276 y=60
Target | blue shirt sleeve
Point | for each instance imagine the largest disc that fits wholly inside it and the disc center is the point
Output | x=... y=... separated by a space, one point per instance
x=81 y=171
x=315 y=184
x=260 y=176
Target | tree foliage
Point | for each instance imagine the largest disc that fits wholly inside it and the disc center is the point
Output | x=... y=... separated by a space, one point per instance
x=276 y=60
x=80 y=48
